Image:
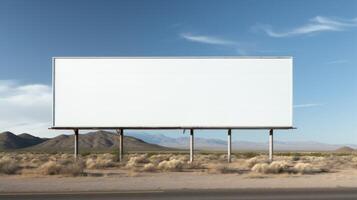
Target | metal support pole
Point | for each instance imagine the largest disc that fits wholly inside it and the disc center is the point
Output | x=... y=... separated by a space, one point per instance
x=121 y=144
x=76 y=143
x=271 y=147
x=229 y=145
x=191 y=145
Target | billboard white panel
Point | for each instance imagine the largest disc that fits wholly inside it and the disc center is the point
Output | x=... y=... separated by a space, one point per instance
x=202 y=92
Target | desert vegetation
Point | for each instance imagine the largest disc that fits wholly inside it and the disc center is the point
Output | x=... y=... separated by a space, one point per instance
x=42 y=164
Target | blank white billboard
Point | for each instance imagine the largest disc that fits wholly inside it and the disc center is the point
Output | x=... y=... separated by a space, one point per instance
x=183 y=92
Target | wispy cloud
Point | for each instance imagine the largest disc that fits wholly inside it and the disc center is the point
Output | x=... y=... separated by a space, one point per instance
x=237 y=47
x=337 y=61
x=25 y=107
x=314 y=25
x=207 y=39
x=308 y=105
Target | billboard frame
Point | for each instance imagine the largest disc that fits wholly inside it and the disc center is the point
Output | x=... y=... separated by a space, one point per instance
x=120 y=130
x=164 y=127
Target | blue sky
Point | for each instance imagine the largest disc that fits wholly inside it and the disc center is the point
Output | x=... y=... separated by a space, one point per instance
x=320 y=35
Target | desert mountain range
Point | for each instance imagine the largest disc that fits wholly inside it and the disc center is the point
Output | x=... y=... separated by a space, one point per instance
x=219 y=144
x=106 y=140
x=96 y=141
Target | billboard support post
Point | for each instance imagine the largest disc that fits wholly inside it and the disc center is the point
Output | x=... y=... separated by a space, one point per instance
x=271 y=147
x=75 y=144
x=121 y=144
x=191 y=145
x=229 y=145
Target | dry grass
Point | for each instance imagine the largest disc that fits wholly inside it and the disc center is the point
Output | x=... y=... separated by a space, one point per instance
x=222 y=169
x=64 y=164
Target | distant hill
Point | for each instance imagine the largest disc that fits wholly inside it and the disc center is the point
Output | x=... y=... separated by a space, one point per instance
x=10 y=141
x=181 y=142
x=96 y=141
x=345 y=149
x=219 y=144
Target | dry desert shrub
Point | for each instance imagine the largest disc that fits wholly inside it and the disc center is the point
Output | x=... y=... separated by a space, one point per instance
x=107 y=156
x=65 y=161
x=252 y=161
x=278 y=167
x=193 y=165
x=7 y=157
x=8 y=165
x=354 y=162
x=312 y=159
x=39 y=159
x=132 y=163
x=73 y=169
x=66 y=156
x=25 y=158
x=50 y=168
x=255 y=160
x=295 y=157
x=161 y=162
x=141 y=158
x=261 y=168
x=306 y=168
x=91 y=163
x=156 y=159
x=204 y=158
x=149 y=167
x=224 y=157
x=48 y=164
x=42 y=157
x=34 y=163
x=183 y=158
x=136 y=160
x=354 y=159
x=275 y=167
x=22 y=160
x=99 y=163
x=171 y=165
x=335 y=162
x=56 y=168
x=220 y=169
x=52 y=158
x=240 y=164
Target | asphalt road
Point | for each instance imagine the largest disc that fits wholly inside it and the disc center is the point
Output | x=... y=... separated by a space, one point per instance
x=250 y=194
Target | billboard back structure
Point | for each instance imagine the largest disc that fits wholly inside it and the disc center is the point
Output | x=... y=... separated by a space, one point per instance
x=176 y=92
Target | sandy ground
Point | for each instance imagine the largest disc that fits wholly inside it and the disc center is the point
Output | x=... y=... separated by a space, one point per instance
x=117 y=180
